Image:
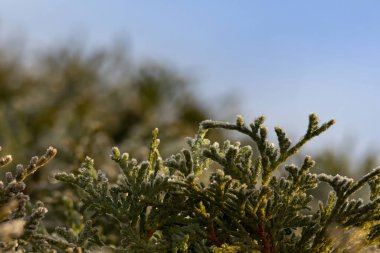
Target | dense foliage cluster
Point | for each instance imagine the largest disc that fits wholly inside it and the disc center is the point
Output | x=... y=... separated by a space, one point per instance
x=19 y=229
x=161 y=205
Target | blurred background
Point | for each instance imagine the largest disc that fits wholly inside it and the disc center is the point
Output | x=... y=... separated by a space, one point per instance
x=84 y=76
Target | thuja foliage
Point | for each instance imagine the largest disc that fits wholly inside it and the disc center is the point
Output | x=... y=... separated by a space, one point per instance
x=19 y=229
x=161 y=205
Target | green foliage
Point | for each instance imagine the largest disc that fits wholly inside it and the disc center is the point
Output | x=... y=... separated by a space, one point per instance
x=161 y=205
x=19 y=228
x=83 y=102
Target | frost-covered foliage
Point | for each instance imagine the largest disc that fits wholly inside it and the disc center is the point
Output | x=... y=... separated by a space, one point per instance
x=19 y=227
x=161 y=205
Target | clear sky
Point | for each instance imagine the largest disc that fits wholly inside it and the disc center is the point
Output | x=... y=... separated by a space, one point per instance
x=283 y=59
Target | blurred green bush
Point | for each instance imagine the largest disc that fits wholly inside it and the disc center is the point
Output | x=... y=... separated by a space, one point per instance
x=83 y=101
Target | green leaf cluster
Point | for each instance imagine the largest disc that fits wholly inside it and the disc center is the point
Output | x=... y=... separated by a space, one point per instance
x=162 y=205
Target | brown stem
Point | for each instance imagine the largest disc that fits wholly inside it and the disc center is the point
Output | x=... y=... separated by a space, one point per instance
x=150 y=232
x=265 y=239
x=211 y=235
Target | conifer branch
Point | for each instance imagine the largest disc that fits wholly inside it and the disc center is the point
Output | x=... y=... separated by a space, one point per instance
x=161 y=205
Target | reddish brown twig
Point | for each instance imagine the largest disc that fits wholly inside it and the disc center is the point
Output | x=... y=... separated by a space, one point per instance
x=211 y=235
x=265 y=239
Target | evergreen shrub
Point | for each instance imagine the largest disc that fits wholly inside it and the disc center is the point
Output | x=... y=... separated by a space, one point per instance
x=164 y=205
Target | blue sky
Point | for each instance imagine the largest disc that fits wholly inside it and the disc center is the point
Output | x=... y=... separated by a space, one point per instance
x=284 y=59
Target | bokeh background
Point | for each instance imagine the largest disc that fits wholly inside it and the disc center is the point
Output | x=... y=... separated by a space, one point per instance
x=84 y=76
